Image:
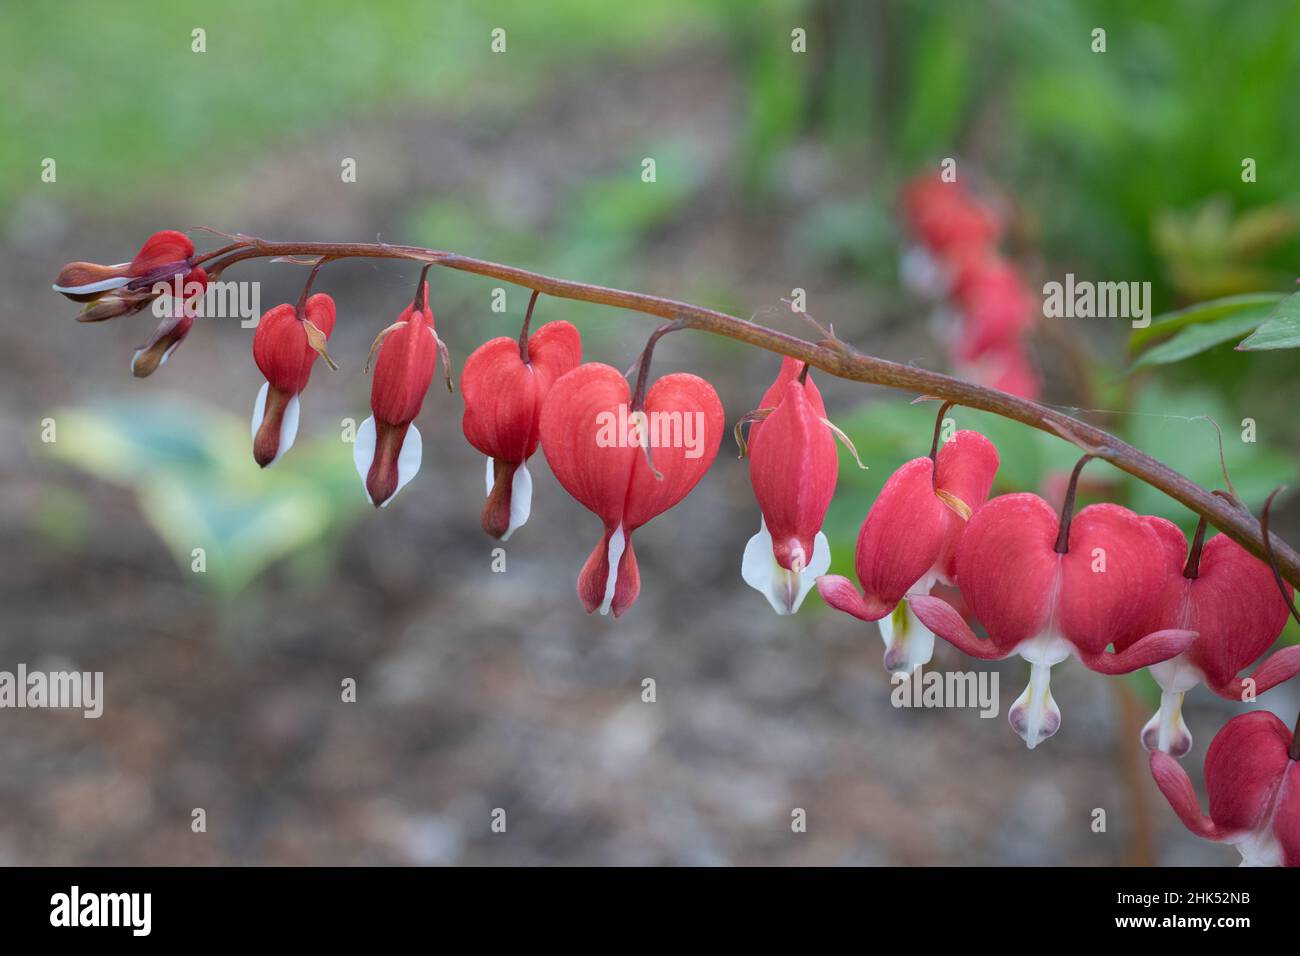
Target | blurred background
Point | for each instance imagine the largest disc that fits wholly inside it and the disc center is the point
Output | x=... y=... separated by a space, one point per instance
x=476 y=690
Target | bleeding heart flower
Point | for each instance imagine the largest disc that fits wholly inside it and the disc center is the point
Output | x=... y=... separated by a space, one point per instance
x=1254 y=787
x=173 y=328
x=945 y=218
x=1229 y=597
x=1048 y=590
x=995 y=305
x=793 y=466
x=388 y=447
x=505 y=383
x=285 y=346
x=598 y=450
x=110 y=291
x=908 y=542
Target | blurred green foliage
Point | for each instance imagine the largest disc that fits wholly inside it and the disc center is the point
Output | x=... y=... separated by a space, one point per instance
x=120 y=120
x=198 y=487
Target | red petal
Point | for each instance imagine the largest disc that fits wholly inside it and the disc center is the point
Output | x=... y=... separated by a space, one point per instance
x=403 y=370
x=1168 y=607
x=1096 y=607
x=1006 y=567
x=1278 y=668
x=901 y=539
x=161 y=249
x=1151 y=649
x=1286 y=821
x=1243 y=768
x=593 y=580
x=964 y=467
x=793 y=466
x=589 y=465
x=503 y=396
x=1174 y=783
x=503 y=401
x=685 y=407
x=840 y=594
x=1236 y=607
x=554 y=350
x=790 y=371
x=942 y=618
x=996 y=306
x=280 y=346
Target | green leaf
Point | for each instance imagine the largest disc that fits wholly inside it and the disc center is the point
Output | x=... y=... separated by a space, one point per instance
x=1202 y=312
x=1281 y=331
x=197 y=486
x=1197 y=338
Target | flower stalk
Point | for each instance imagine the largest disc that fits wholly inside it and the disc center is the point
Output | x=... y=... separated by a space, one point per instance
x=831 y=355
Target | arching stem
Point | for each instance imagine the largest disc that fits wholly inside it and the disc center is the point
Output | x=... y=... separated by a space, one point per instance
x=834 y=357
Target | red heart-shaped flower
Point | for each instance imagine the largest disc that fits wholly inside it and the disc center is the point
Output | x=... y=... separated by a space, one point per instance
x=594 y=444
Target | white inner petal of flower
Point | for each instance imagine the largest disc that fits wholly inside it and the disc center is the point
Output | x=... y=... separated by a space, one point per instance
x=785 y=589
x=1034 y=715
x=909 y=644
x=617 y=544
x=1166 y=730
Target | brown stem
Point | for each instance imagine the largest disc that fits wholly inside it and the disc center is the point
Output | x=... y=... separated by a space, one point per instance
x=643 y=374
x=420 y=301
x=306 y=289
x=1067 y=507
x=837 y=358
x=523 y=332
x=1192 y=568
x=938 y=427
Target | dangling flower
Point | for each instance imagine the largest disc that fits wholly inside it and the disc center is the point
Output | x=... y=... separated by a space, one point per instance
x=793 y=467
x=172 y=329
x=1229 y=597
x=1253 y=778
x=996 y=307
x=111 y=291
x=626 y=461
x=908 y=542
x=285 y=346
x=945 y=220
x=505 y=383
x=388 y=447
x=1050 y=589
